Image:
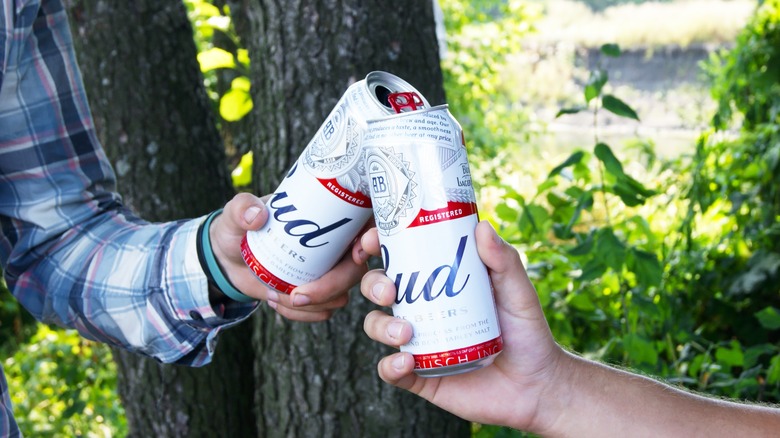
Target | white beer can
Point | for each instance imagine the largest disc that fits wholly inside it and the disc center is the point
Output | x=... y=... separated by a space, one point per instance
x=323 y=202
x=426 y=214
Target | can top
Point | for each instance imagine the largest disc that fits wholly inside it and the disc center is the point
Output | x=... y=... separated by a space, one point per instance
x=382 y=84
x=408 y=113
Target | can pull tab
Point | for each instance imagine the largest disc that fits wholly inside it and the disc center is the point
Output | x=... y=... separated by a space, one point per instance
x=404 y=101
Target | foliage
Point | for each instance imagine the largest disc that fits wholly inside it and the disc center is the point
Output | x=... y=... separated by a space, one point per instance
x=480 y=35
x=677 y=275
x=592 y=250
x=735 y=178
x=65 y=385
x=746 y=78
x=232 y=60
x=16 y=324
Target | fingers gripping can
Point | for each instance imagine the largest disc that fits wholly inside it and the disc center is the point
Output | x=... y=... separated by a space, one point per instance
x=323 y=201
x=425 y=212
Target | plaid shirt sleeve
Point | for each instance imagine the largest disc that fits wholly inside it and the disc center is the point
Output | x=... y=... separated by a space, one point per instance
x=72 y=254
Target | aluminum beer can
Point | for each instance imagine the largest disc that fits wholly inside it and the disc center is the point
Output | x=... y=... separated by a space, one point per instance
x=323 y=202
x=426 y=214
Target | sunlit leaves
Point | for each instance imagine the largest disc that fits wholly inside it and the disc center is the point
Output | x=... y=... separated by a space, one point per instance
x=215 y=58
x=242 y=174
x=54 y=380
x=236 y=102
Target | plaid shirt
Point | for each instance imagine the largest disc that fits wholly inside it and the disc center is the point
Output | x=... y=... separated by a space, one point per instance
x=71 y=253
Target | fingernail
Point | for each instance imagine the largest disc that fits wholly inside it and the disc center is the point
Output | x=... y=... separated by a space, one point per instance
x=251 y=213
x=362 y=255
x=272 y=305
x=272 y=296
x=398 y=362
x=394 y=329
x=301 y=300
x=376 y=290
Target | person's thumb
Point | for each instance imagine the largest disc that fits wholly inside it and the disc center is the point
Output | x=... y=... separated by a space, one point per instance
x=242 y=213
x=513 y=290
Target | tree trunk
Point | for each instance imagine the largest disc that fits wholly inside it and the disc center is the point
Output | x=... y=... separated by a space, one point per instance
x=152 y=115
x=321 y=379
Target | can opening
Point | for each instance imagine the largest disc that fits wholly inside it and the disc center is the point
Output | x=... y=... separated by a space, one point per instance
x=383 y=95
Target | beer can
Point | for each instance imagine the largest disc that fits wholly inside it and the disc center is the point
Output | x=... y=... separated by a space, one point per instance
x=426 y=215
x=323 y=202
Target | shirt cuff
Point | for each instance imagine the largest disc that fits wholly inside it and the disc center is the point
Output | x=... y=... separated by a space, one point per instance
x=186 y=286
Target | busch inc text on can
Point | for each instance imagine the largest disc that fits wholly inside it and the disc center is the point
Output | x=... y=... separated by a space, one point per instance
x=323 y=202
x=425 y=212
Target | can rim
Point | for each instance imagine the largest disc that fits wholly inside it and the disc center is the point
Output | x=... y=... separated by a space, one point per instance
x=408 y=113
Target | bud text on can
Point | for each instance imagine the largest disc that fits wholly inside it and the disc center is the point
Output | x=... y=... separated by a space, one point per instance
x=425 y=212
x=323 y=202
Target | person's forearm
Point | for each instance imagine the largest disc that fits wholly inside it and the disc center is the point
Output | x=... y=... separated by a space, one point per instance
x=131 y=284
x=592 y=399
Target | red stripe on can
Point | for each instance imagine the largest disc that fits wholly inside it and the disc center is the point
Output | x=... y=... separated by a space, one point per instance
x=453 y=210
x=358 y=199
x=261 y=272
x=459 y=356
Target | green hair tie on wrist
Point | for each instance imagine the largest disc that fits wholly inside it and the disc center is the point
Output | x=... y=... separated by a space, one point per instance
x=213 y=269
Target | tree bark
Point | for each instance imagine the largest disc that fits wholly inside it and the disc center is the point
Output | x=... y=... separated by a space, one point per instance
x=152 y=115
x=321 y=380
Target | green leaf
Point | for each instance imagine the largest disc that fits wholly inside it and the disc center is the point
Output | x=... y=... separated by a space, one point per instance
x=241 y=83
x=639 y=350
x=612 y=50
x=572 y=160
x=610 y=249
x=215 y=58
x=235 y=104
x=773 y=373
x=595 y=84
x=618 y=107
x=506 y=213
x=534 y=219
x=631 y=191
x=220 y=22
x=242 y=174
x=583 y=248
x=646 y=267
x=572 y=110
x=612 y=164
x=581 y=301
x=731 y=357
x=592 y=270
x=769 y=318
x=243 y=57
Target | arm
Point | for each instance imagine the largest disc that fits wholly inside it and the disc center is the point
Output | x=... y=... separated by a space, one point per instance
x=73 y=254
x=535 y=385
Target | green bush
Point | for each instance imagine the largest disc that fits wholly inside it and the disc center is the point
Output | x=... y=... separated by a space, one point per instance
x=63 y=385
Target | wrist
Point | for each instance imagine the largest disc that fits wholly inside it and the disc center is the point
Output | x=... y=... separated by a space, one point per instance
x=557 y=398
x=221 y=290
